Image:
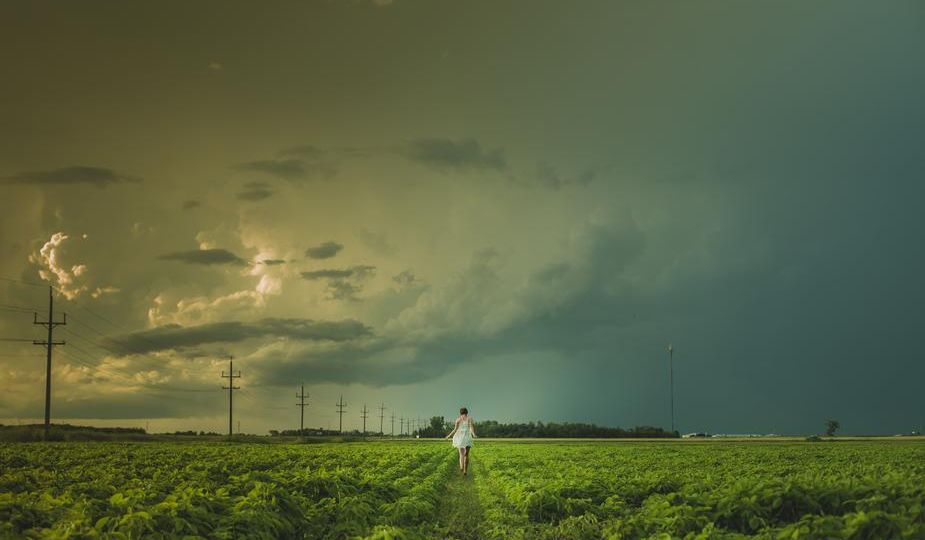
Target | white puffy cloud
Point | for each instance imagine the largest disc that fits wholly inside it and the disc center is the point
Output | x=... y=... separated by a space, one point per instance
x=52 y=268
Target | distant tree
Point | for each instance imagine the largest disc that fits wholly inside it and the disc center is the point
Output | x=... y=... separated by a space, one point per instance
x=492 y=429
x=831 y=426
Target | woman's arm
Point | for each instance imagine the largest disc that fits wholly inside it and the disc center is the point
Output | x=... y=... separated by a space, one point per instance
x=472 y=429
x=455 y=427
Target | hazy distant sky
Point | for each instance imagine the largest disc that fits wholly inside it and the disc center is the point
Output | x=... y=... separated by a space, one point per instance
x=513 y=206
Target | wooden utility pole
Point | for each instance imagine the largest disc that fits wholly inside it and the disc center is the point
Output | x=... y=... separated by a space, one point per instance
x=401 y=425
x=49 y=344
x=301 y=405
x=393 y=423
x=364 y=416
x=231 y=376
x=341 y=406
x=381 y=416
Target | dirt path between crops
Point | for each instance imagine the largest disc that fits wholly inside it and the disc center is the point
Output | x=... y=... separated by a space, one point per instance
x=460 y=512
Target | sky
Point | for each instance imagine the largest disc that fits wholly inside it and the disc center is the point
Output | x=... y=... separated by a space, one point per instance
x=424 y=204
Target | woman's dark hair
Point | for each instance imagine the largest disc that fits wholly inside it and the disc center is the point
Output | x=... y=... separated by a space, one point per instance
x=463 y=410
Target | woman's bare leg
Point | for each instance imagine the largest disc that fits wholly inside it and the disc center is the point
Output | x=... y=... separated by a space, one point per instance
x=462 y=459
x=466 y=466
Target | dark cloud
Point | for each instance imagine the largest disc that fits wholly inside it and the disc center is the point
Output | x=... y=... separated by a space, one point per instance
x=361 y=271
x=324 y=251
x=255 y=191
x=455 y=155
x=190 y=204
x=179 y=337
x=587 y=301
x=308 y=165
x=306 y=162
x=548 y=176
x=78 y=174
x=343 y=289
x=273 y=262
x=354 y=362
x=405 y=278
x=204 y=256
x=342 y=283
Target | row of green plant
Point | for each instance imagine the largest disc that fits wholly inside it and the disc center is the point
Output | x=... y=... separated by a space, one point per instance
x=130 y=490
x=712 y=490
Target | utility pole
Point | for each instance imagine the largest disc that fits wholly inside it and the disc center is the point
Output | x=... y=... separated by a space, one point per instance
x=381 y=416
x=341 y=406
x=671 y=381
x=401 y=425
x=364 y=416
x=393 y=423
x=301 y=405
x=231 y=388
x=49 y=344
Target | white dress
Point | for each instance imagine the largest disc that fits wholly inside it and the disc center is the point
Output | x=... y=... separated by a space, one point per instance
x=463 y=437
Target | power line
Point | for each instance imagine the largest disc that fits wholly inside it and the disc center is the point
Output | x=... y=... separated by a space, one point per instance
x=129 y=374
x=149 y=390
x=125 y=350
x=22 y=282
x=154 y=346
x=24 y=308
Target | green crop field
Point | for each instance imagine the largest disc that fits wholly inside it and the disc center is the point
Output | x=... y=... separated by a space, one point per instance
x=412 y=489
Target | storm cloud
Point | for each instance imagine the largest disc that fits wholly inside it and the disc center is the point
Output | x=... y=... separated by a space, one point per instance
x=204 y=257
x=537 y=213
x=460 y=155
x=177 y=337
x=77 y=174
x=342 y=283
x=360 y=271
x=295 y=164
x=255 y=191
x=324 y=251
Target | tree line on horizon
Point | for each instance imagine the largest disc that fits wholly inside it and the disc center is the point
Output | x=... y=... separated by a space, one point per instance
x=439 y=427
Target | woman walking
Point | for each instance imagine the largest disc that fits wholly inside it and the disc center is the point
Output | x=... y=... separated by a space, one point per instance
x=463 y=433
